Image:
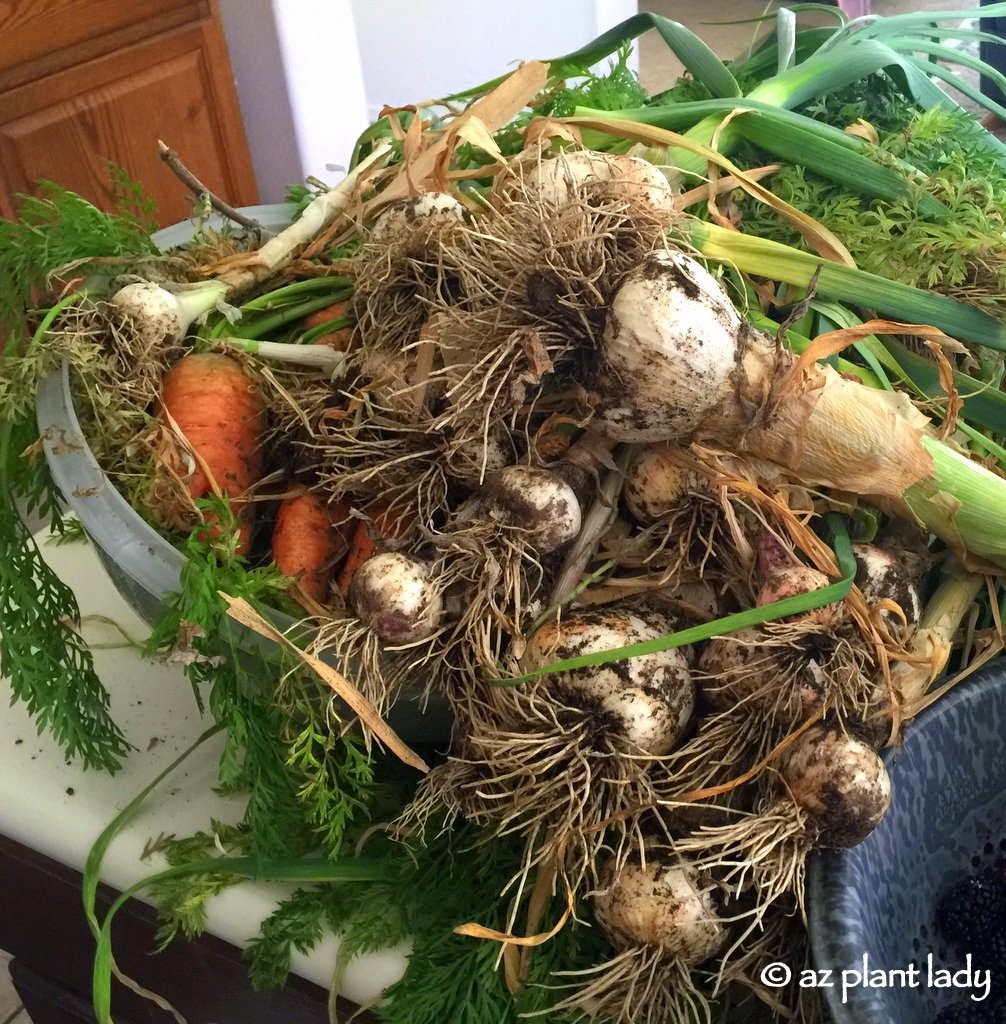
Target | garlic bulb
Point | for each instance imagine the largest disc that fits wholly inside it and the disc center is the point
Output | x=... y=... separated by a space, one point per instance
x=840 y=782
x=668 y=354
x=536 y=501
x=657 y=485
x=644 y=703
x=427 y=212
x=742 y=668
x=553 y=180
x=158 y=315
x=664 y=904
x=397 y=597
x=880 y=575
x=792 y=580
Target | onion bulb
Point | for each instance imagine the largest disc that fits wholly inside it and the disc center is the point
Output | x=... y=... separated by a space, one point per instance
x=159 y=315
x=840 y=782
x=668 y=353
x=644 y=703
x=657 y=485
x=665 y=904
x=397 y=598
x=552 y=180
x=537 y=501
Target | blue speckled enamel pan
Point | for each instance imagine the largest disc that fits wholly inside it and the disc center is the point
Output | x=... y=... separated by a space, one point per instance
x=949 y=807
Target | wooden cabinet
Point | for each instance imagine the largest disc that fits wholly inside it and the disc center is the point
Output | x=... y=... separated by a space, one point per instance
x=83 y=82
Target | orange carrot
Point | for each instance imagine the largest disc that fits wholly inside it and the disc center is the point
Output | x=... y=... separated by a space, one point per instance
x=363 y=545
x=339 y=340
x=305 y=543
x=218 y=410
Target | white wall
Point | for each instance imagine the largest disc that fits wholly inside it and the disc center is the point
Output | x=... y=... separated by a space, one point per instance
x=413 y=50
x=300 y=86
x=311 y=74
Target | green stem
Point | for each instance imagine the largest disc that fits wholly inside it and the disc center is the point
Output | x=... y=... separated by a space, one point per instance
x=50 y=318
x=990 y=446
x=328 y=327
x=279 y=296
x=288 y=314
x=317 y=356
x=962 y=502
x=253 y=869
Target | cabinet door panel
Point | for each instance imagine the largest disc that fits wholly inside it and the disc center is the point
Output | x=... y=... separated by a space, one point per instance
x=42 y=36
x=66 y=126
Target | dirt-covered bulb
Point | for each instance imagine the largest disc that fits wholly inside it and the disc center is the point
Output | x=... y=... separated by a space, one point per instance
x=664 y=904
x=668 y=354
x=397 y=597
x=641 y=704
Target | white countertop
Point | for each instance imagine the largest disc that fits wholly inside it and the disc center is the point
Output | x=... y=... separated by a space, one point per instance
x=63 y=809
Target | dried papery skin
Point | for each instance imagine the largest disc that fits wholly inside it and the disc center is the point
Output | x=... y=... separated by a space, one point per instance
x=647 y=700
x=827 y=431
x=662 y=903
x=840 y=782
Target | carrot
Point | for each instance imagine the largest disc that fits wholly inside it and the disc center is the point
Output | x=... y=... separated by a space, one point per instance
x=363 y=545
x=305 y=543
x=339 y=340
x=213 y=403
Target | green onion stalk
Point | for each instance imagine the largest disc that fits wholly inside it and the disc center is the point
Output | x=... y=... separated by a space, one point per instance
x=156 y=312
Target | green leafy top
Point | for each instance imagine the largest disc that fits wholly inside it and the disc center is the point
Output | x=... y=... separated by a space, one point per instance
x=57 y=228
x=431 y=888
x=614 y=90
x=308 y=779
x=960 y=254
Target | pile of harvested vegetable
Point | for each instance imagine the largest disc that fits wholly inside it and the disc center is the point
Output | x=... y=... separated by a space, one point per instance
x=660 y=438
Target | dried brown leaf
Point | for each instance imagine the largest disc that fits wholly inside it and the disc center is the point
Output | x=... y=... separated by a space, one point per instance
x=241 y=611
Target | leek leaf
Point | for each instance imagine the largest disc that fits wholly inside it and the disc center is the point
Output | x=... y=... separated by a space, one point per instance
x=843 y=164
x=696 y=56
x=765 y=60
x=847 y=284
x=785 y=30
x=921 y=20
